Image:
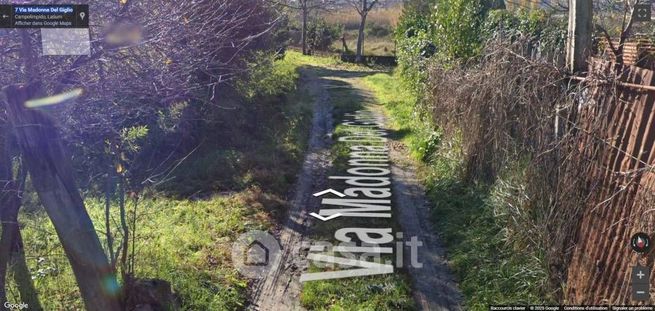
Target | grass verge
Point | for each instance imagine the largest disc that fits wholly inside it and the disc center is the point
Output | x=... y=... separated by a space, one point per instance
x=490 y=267
x=185 y=242
x=188 y=241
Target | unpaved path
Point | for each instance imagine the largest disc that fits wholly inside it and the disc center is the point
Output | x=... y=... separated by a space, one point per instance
x=433 y=286
x=280 y=288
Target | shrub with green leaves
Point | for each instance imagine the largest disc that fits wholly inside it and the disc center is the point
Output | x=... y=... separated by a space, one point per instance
x=454 y=32
x=457 y=29
x=546 y=32
x=449 y=33
x=320 y=35
x=267 y=77
x=413 y=37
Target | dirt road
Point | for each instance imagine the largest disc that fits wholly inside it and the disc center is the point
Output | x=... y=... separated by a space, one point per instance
x=280 y=288
x=433 y=286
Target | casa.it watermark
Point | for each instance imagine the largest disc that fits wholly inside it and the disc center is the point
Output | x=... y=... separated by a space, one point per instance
x=15 y=306
x=377 y=251
x=366 y=195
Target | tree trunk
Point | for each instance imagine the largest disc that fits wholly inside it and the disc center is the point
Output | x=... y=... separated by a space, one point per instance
x=22 y=275
x=12 y=255
x=8 y=217
x=6 y=206
x=360 y=37
x=52 y=175
x=303 y=35
x=578 y=46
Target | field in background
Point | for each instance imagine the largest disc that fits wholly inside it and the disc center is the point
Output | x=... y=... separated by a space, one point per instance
x=379 y=29
x=378 y=46
x=349 y=18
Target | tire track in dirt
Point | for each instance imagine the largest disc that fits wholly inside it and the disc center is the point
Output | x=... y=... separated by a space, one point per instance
x=280 y=288
x=433 y=285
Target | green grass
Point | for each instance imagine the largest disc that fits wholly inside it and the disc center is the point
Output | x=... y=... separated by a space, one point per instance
x=255 y=156
x=299 y=59
x=373 y=45
x=410 y=126
x=260 y=144
x=184 y=242
x=475 y=236
x=377 y=293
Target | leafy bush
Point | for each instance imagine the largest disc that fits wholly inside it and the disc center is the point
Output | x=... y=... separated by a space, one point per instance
x=521 y=22
x=320 y=35
x=455 y=31
x=546 y=33
x=413 y=35
x=450 y=31
x=267 y=77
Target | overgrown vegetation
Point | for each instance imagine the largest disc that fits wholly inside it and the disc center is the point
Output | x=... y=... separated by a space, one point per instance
x=181 y=230
x=428 y=35
x=186 y=128
x=481 y=126
x=186 y=242
x=115 y=124
x=473 y=218
x=262 y=137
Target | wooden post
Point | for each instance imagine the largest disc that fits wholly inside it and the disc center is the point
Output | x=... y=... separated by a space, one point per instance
x=578 y=46
x=304 y=11
x=12 y=254
x=52 y=176
x=6 y=205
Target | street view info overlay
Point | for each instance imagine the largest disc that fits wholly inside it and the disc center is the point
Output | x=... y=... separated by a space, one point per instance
x=328 y=155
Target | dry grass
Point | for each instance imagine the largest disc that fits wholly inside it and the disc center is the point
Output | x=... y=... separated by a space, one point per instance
x=505 y=103
x=372 y=45
x=349 y=18
x=503 y=111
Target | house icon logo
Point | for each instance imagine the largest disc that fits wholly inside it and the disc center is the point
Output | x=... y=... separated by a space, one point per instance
x=254 y=253
x=257 y=254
